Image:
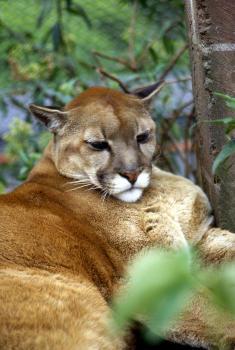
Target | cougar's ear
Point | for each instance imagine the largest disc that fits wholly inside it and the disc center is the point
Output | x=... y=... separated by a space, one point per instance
x=147 y=92
x=52 y=117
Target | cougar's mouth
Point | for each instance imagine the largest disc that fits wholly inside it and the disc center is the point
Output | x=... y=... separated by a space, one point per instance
x=116 y=186
x=123 y=190
x=130 y=196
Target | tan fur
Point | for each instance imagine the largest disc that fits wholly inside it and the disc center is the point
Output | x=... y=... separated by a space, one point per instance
x=63 y=254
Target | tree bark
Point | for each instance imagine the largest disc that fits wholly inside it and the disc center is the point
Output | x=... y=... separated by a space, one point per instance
x=211 y=28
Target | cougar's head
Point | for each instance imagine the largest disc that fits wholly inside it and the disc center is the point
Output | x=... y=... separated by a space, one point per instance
x=104 y=138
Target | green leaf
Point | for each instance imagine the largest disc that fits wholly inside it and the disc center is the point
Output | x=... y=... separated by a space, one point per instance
x=228 y=122
x=177 y=131
x=23 y=173
x=225 y=153
x=24 y=157
x=230 y=101
x=221 y=283
x=34 y=157
x=168 y=44
x=153 y=54
x=224 y=121
x=230 y=127
x=231 y=104
x=57 y=36
x=45 y=10
x=46 y=36
x=78 y=10
x=167 y=308
x=68 y=3
x=156 y=278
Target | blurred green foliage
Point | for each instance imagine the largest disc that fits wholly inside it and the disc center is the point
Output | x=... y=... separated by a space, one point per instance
x=55 y=39
x=160 y=284
x=229 y=128
x=24 y=147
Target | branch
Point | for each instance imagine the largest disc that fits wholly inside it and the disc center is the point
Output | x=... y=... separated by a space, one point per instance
x=172 y=26
x=171 y=120
x=175 y=81
x=19 y=104
x=114 y=78
x=115 y=59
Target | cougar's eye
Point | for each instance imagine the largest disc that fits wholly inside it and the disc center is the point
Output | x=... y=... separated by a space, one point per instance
x=98 y=145
x=143 y=138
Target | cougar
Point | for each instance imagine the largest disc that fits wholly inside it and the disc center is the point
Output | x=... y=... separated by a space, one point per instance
x=91 y=203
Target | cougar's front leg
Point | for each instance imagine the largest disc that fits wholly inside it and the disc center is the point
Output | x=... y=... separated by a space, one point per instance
x=161 y=225
x=217 y=246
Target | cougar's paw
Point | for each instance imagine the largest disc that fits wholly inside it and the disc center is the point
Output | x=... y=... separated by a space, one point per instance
x=162 y=228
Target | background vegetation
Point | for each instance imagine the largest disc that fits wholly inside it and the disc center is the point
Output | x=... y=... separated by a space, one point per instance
x=51 y=50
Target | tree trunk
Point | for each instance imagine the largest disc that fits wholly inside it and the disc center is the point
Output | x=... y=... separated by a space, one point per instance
x=211 y=27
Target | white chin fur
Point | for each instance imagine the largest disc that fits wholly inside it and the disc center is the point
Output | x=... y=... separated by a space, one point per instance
x=129 y=196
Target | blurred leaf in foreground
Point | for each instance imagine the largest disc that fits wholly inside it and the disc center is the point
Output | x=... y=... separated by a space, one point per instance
x=159 y=285
x=221 y=284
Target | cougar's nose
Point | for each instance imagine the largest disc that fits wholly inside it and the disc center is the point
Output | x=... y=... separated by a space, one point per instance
x=131 y=176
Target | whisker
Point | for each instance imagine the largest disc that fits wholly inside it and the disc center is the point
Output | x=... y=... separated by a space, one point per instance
x=78 y=187
x=85 y=181
x=77 y=181
x=93 y=188
x=103 y=197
